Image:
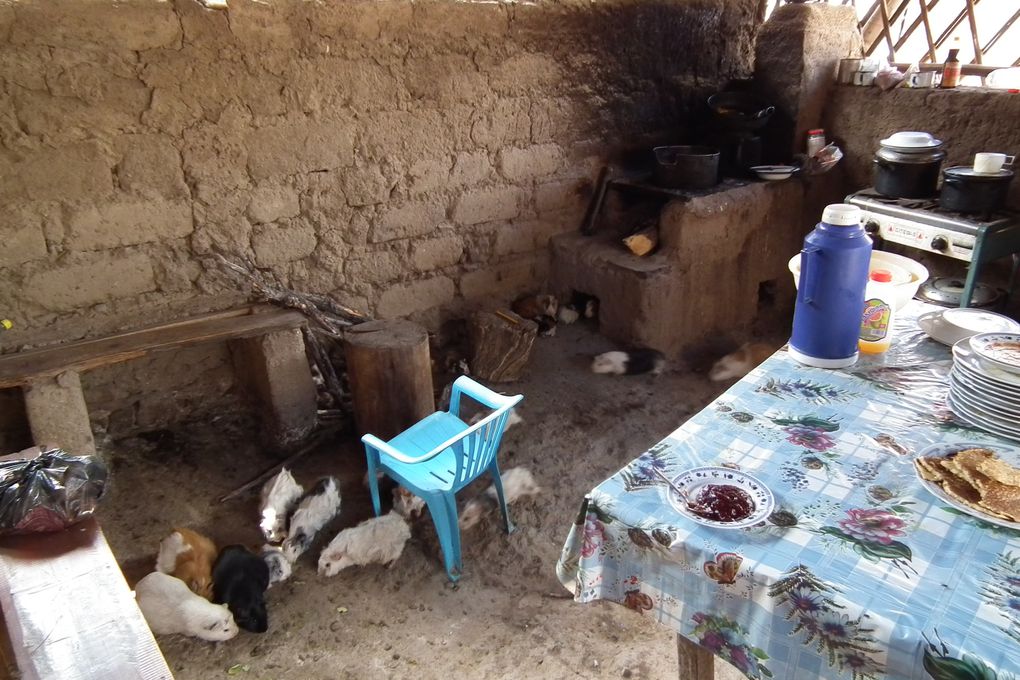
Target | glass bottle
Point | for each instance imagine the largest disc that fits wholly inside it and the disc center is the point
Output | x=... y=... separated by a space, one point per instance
x=951 y=71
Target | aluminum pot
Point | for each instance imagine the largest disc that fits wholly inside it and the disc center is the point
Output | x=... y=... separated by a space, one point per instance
x=686 y=167
x=964 y=190
x=908 y=174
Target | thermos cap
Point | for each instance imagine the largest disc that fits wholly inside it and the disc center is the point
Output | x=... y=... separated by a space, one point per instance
x=842 y=214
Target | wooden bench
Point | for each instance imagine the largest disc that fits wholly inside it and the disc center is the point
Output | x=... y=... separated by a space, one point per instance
x=266 y=340
x=69 y=614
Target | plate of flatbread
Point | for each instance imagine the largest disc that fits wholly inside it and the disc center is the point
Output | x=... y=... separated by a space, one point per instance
x=980 y=480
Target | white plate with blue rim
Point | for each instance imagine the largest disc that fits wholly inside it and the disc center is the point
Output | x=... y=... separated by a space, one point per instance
x=1000 y=349
x=973 y=385
x=1007 y=454
x=964 y=354
x=981 y=418
x=694 y=481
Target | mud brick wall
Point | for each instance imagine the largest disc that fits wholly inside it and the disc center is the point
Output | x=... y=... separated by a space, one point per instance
x=406 y=157
x=967 y=119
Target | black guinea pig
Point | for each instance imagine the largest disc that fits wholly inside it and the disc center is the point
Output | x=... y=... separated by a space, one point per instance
x=240 y=579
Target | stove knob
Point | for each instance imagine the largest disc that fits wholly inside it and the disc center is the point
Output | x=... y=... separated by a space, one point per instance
x=871 y=227
x=939 y=243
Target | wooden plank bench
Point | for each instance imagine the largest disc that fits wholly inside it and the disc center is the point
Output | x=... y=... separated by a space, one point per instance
x=69 y=614
x=267 y=341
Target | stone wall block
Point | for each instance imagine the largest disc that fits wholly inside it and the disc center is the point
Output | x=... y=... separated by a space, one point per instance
x=90 y=279
x=406 y=298
x=415 y=218
x=283 y=241
x=271 y=202
x=506 y=122
x=128 y=222
x=446 y=79
x=470 y=168
x=437 y=253
x=488 y=204
x=300 y=146
x=22 y=235
x=375 y=267
x=134 y=25
x=428 y=175
x=150 y=164
x=406 y=135
x=535 y=161
x=75 y=171
x=522 y=74
x=502 y=281
x=366 y=185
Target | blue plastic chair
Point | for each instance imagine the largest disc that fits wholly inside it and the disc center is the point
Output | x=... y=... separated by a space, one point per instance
x=440 y=455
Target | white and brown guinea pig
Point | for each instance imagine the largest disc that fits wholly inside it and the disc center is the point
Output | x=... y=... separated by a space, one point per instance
x=634 y=362
x=739 y=363
x=189 y=556
x=535 y=306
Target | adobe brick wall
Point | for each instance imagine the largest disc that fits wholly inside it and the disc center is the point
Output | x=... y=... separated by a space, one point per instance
x=406 y=157
x=967 y=119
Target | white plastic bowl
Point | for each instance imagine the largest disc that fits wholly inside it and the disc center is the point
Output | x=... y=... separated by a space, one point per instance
x=908 y=275
x=774 y=172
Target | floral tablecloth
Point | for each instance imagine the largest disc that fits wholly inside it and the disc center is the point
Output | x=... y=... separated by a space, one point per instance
x=859 y=572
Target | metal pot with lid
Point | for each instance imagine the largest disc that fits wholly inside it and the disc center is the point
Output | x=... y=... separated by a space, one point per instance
x=907 y=165
x=967 y=191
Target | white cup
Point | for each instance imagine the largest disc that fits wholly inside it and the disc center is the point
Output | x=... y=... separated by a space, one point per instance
x=991 y=163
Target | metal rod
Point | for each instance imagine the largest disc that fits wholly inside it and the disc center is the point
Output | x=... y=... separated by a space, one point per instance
x=974 y=31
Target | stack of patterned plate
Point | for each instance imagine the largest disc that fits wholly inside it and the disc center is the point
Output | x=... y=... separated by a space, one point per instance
x=984 y=386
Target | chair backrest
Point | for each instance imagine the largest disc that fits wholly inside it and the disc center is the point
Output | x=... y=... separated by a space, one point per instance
x=476 y=449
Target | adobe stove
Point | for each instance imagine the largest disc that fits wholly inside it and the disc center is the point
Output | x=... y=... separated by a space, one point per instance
x=920 y=223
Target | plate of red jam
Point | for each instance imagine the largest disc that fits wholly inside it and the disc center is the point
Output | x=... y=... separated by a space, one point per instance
x=722 y=497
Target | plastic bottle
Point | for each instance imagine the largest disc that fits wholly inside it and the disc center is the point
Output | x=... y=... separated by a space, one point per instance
x=815 y=141
x=877 y=320
x=830 y=294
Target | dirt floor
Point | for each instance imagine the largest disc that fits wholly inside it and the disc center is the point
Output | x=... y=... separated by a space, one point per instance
x=507 y=617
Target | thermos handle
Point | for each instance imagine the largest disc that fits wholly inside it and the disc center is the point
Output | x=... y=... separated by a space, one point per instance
x=808 y=277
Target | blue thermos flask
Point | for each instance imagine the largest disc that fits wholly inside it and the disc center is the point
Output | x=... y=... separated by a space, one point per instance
x=830 y=296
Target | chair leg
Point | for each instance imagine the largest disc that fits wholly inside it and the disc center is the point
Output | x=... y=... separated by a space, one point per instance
x=373 y=482
x=497 y=481
x=444 y=515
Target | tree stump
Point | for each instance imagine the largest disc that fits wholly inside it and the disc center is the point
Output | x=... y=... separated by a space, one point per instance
x=390 y=374
x=501 y=345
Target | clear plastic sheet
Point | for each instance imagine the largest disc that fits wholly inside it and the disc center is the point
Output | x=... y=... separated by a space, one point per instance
x=48 y=492
x=859 y=573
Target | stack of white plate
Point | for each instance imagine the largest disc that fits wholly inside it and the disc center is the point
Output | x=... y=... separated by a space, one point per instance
x=984 y=385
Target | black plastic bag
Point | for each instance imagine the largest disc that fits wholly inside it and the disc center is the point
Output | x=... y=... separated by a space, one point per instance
x=49 y=492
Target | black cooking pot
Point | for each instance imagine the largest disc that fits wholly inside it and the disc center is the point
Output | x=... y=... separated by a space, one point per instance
x=908 y=174
x=964 y=190
x=740 y=110
x=686 y=167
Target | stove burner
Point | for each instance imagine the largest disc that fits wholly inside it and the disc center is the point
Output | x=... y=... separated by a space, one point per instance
x=931 y=205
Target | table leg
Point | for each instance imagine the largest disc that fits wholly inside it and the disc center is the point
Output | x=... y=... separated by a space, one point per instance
x=694 y=661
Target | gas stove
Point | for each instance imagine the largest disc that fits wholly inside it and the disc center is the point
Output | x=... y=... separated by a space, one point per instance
x=922 y=224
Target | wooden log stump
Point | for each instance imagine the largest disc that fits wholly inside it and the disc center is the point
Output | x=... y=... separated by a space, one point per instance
x=695 y=662
x=501 y=345
x=390 y=374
